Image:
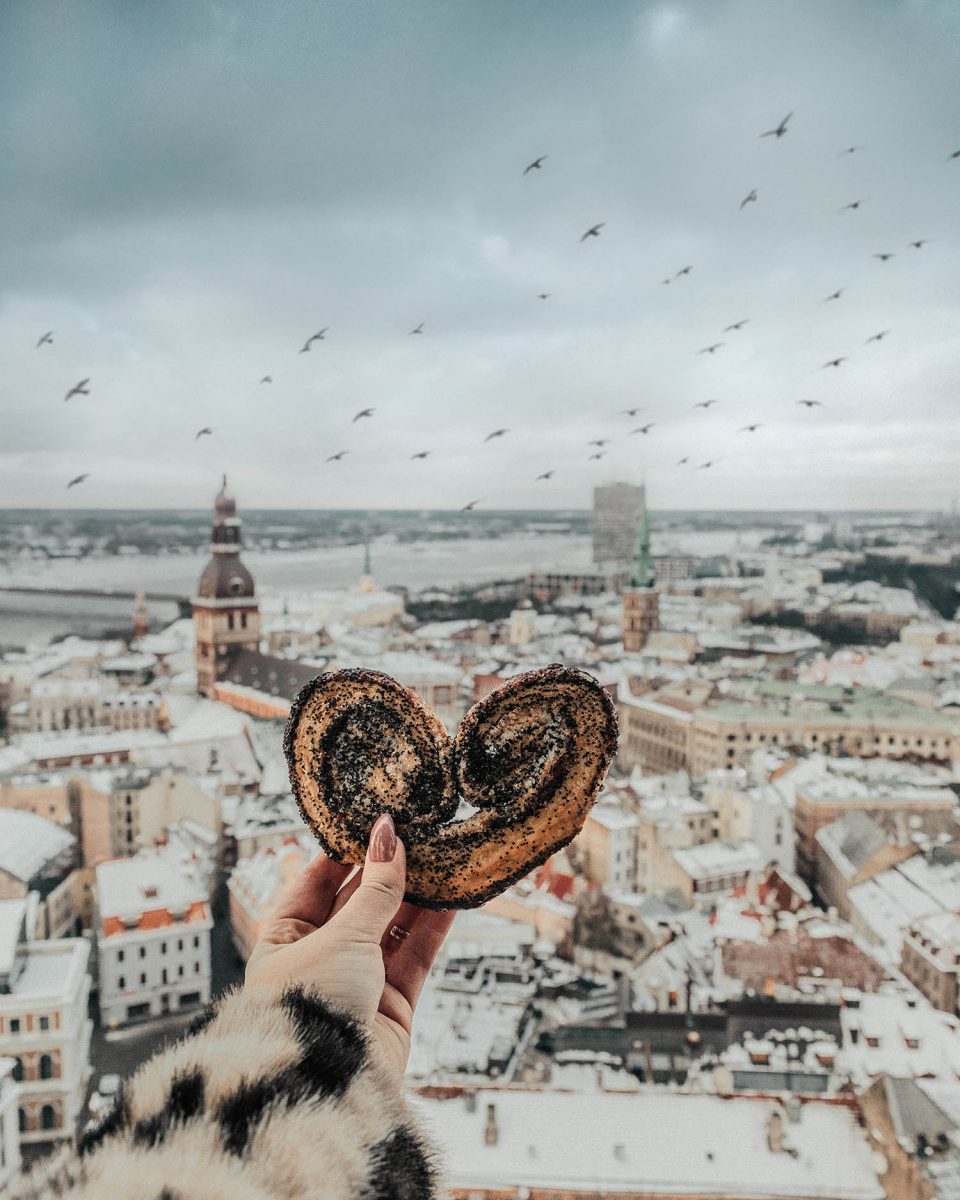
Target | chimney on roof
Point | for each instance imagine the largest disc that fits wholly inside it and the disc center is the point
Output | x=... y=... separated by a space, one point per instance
x=149 y=890
x=491 y=1134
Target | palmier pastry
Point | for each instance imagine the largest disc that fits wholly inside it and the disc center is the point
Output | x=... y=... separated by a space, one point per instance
x=529 y=760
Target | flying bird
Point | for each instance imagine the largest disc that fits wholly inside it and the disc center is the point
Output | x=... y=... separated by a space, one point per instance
x=364 y=412
x=419 y=329
x=317 y=337
x=420 y=454
x=593 y=231
x=599 y=442
x=77 y=479
x=834 y=362
x=683 y=271
x=849 y=150
x=336 y=457
x=545 y=475
x=496 y=433
x=267 y=379
x=834 y=295
x=810 y=403
x=877 y=337
x=711 y=349
x=780 y=129
x=536 y=165
x=681 y=461
x=749 y=198
x=919 y=243
x=46 y=340
x=631 y=412
x=664 y=281
x=703 y=466
x=886 y=256
x=852 y=206
x=643 y=428
x=705 y=403
x=955 y=154
x=79 y=389
x=736 y=325
x=599 y=454
x=206 y=430
x=544 y=295
x=751 y=428
x=470 y=507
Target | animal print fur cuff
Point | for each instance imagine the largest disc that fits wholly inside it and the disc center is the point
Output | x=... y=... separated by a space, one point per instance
x=263 y=1099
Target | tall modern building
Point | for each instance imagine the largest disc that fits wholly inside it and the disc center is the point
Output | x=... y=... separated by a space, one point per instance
x=226 y=613
x=615 y=510
x=641 y=600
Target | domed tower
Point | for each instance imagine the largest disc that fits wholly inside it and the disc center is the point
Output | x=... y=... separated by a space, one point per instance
x=641 y=600
x=226 y=615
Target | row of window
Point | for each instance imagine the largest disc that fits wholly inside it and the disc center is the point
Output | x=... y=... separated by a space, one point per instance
x=48 y=1118
x=122 y=979
x=16 y=1024
x=122 y=954
x=46 y=1068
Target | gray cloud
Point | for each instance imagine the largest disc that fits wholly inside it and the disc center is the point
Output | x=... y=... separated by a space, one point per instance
x=195 y=188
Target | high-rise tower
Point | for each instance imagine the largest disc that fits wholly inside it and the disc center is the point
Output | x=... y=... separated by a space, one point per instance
x=641 y=600
x=226 y=615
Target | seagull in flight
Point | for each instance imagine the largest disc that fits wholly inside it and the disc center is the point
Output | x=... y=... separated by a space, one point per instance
x=46 y=340
x=886 y=256
x=593 y=231
x=419 y=329
x=955 y=154
x=749 y=198
x=631 y=412
x=536 y=165
x=683 y=271
x=705 y=465
x=336 y=457
x=205 y=431
x=643 y=428
x=420 y=454
x=79 y=389
x=834 y=362
x=364 y=412
x=77 y=479
x=849 y=150
x=736 y=325
x=317 y=337
x=834 y=295
x=810 y=403
x=705 y=403
x=852 y=206
x=711 y=349
x=496 y=433
x=599 y=454
x=545 y=475
x=779 y=130
x=470 y=507
x=919 y=243
x=544 y=295
x=877 y=337
x=681 y=461
x=267 y=379
x=599 y=442
x=751 y=428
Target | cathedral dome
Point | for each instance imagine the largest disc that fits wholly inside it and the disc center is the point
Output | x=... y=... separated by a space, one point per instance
x=225 y=578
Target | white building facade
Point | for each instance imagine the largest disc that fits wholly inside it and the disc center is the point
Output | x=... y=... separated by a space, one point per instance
x=9 y=1134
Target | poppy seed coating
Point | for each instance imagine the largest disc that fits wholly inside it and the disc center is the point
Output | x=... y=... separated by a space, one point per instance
x=530 y=757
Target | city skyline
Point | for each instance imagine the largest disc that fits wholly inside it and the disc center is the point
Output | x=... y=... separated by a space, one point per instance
x=198 y=191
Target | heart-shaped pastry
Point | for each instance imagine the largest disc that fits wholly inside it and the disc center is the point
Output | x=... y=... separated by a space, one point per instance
x=529 y=759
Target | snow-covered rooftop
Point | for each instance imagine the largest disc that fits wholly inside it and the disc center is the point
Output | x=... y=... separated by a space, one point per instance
x=29 y=842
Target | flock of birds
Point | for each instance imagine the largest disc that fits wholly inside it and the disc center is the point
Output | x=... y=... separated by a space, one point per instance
x=597 y=445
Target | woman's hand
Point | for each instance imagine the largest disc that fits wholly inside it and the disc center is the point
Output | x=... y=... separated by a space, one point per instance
x=357 y=942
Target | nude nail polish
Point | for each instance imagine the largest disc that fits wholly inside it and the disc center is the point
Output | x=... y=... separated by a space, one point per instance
x=383 y=839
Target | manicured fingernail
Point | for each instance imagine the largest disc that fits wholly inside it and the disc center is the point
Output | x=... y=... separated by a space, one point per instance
x=383 y=839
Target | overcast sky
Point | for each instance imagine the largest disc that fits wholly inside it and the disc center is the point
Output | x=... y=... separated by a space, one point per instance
x=190 y=190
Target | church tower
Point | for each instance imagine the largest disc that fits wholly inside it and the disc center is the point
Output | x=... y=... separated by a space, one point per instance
x=641 y=600
x=226 y=615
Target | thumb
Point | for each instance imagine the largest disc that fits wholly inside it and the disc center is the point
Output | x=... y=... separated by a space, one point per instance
x=374 y=904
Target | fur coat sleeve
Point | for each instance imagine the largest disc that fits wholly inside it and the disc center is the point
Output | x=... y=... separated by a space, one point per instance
x=264 y=1099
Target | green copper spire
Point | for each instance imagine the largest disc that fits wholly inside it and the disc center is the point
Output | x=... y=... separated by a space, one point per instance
x=641 y=568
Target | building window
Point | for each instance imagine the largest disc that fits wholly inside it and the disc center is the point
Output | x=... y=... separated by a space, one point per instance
x=229 y=620
x=14 y=1024
x=143 y=979
x=121 y=982
x=17 y=1070
x=121 y=955
x=164 y=975
x=48 y=1118
x=196 y=968
x=179 y=943
x=196 y=943
x=143 y=952
x=46 y=1066
x=22 y=1119
x=44 y=1024
x=163 y=947
x=180 y=971
x=243 y=620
